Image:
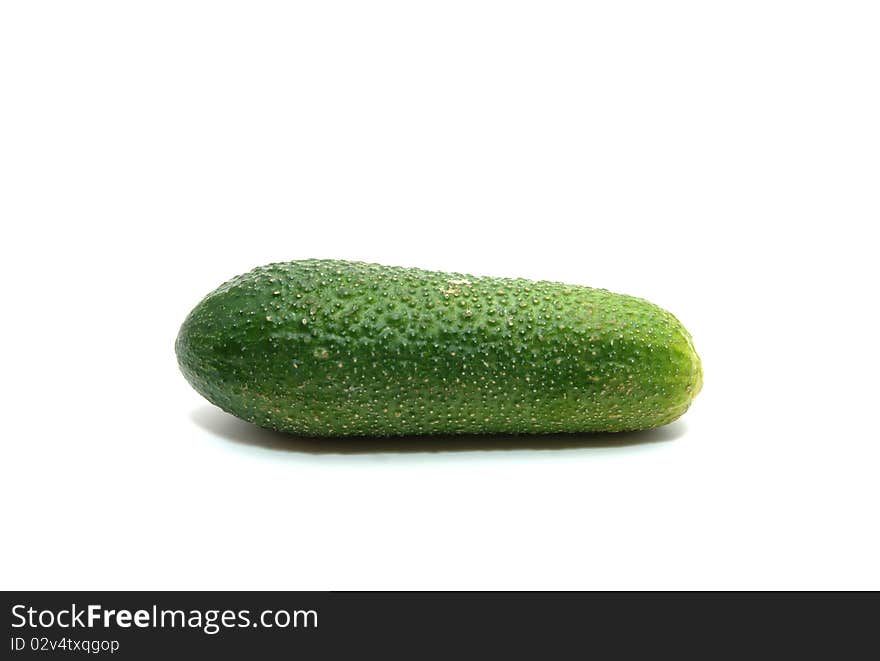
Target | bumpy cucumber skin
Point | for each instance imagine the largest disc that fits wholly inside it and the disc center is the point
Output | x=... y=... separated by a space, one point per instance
x=336 y=348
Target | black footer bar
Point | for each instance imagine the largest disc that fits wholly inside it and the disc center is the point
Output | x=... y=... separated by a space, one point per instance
x=268 y=625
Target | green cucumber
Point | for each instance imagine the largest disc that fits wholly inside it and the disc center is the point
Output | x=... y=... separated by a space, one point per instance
x=337 y=348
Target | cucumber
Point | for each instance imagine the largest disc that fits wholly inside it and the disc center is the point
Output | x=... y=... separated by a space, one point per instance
x=338 y=348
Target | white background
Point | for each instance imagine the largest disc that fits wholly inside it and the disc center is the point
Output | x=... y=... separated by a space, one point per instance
x=720 y=159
